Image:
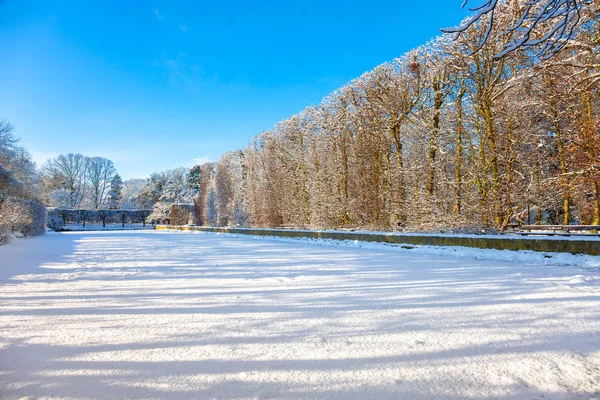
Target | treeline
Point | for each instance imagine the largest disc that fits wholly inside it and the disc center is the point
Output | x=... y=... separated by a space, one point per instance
x=446 y=136
x=90 y=188
x=73 y=181
x=80 y=189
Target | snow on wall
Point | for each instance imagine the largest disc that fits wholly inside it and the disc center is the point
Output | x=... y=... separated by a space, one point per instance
x=553 y=245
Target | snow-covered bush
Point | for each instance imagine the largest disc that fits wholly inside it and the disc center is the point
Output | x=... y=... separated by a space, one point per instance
x=21 y=214
x=56 y=223
x=21 y=217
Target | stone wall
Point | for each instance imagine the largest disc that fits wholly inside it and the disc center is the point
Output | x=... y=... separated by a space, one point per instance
x=501 y=242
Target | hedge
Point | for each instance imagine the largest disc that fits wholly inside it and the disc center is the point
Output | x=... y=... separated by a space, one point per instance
x=180 y=214
x=20 y=217
x=84 y=216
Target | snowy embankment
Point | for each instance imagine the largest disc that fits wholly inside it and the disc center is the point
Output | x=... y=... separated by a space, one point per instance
x=521 y=256
x=179 y=315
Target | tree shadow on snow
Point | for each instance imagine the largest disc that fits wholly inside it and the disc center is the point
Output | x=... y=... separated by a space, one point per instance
x=281 y=295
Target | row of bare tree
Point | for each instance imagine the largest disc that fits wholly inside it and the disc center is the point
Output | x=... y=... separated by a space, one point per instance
x=74 y=180
x=446 y=136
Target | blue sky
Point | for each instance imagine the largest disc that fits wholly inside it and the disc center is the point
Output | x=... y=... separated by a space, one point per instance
x=154 y=85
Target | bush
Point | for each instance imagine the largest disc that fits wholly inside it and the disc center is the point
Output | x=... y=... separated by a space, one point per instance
x=56 y=223
x=180 y=214
x=21 y=217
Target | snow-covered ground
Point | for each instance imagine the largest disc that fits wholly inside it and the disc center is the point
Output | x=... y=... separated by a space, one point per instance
x=149 y=314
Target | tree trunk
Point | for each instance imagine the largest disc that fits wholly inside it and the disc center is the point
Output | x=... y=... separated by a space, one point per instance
x=438 y=101
x=344 y=155
x=588 y=135
x=596 y=220
x=459 y=155
x=509 y=174
x=560 y=146
x=495 y=169
x=400 y=209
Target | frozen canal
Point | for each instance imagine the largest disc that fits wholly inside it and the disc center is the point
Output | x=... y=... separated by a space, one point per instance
x=199 y=316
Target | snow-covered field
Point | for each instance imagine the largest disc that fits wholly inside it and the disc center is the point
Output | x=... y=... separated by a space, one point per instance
x=106 y=315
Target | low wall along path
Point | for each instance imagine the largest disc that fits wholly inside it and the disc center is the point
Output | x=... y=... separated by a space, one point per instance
x=589 y=246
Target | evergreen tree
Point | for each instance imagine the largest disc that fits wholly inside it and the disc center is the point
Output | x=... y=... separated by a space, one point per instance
x=115 y=194
x=193 y=178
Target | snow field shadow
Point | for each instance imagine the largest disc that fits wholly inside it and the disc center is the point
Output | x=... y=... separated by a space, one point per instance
x=180 y=315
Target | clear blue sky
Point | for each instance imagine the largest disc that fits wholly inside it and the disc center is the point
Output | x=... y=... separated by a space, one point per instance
x=154 y=85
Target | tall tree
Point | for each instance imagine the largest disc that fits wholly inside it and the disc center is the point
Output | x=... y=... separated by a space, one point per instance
x=115 y=193
x=8 y=141
x=17 y=163
x=100 y=173
x=68 y=174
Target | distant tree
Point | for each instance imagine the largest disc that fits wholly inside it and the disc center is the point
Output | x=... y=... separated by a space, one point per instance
x=228 y=188
x=83 y=215
x=67 y=173
x=144 y=215
x=8 y=141
x=60 y=198
x=132 y=197
x=104 y=215
x=19 y=162
x=193 y=178
x=122 y=216
x=115 y=194
x=101 y=174
x=211 y=207
x=165 y=189
x=24 y=170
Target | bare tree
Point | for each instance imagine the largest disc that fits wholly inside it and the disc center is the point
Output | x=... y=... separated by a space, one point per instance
x=100 y=172
x=67 y=173
x=543 y=25
x=17 y=162
x=8 y=141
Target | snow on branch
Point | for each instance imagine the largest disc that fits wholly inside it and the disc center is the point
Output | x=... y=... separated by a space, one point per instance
x=543 y=25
